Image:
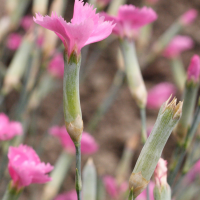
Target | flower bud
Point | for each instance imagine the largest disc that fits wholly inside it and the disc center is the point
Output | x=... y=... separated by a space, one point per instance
x=194 y=69
x=162 y=190
x=168 y=117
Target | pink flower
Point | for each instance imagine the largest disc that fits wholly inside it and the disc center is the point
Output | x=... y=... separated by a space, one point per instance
x=25 y=167
x=9 y=129
x=160 y=173
x=159 y=94
x=56 y=65
x=189 y=16
x=88 y=144
x=71 y=195
x=13 y=41
x=143 y=195
x=112 y=188
x=194 y=172
x=27 y=22
x=193 y=71
x=177 y=45
x=86 y=27
x=129 y=19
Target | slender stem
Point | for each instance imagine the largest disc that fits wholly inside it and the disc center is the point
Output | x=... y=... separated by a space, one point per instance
x=147 y=192
x=111 y=96
x=178 y=72
x=143 y=119
x=11 y=193
x=78 y=170
x=131 y=196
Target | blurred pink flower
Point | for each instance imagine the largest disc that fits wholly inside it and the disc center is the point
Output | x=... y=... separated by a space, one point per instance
x=71 y=195
x=14 y=41
x=143 y=195
x=86 y=27
x=9 y=129
x=177 y=45
x=56 y=65
x=129 y=19
x=88 y=144
x=159 y=94
x=193 y=71
x=189 y=16
x=194 y=172
x=26 y=168
x=160 y=173
x=27 y=22
x=112 y=188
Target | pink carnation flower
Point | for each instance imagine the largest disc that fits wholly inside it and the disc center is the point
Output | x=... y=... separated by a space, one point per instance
x=143 y=195
x=56 y=65
x=71 y=195
x=14 y=41
x=9 y=129
x=25 y=167
x=159 y=94
x=189 y=16
x=27 y=22
x=86 y=27
x=88 y=144
x=177 y=45
x=112 y=188
x=193 y=71
x=129 y=19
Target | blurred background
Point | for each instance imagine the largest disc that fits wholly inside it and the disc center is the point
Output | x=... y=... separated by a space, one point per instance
x=122 y=119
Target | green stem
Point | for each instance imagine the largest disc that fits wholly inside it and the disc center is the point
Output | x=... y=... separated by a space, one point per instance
x=78 y=171
x=131 y=195
x=161 y=43
x=111 y=96
x=178 y=72
x=11 y=193
x=143 y=119
x=58 y=175
x=133 y=72
x=147 y=192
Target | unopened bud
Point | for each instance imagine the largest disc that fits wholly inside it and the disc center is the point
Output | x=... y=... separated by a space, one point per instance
x=168 y=117
x=194 y=69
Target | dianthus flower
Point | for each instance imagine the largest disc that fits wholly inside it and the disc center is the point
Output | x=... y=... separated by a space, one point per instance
x=177 y=45
x=9 y=129
x=71 y=195
x=88 y=144
x=13 y=41
x=56 y=65
x=26 y=168
x=86 y=27
x=129 y=19
x=159 y=94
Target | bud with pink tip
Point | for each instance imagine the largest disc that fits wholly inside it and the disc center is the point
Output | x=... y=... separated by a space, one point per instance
x=71 y=195
x=88 y=143
x=188 y=17
x=194 y=69
x=159 y=94
x=177 y=45
x=9 y=129
x=162 y=190
x=14 y=41
x=26 y=168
